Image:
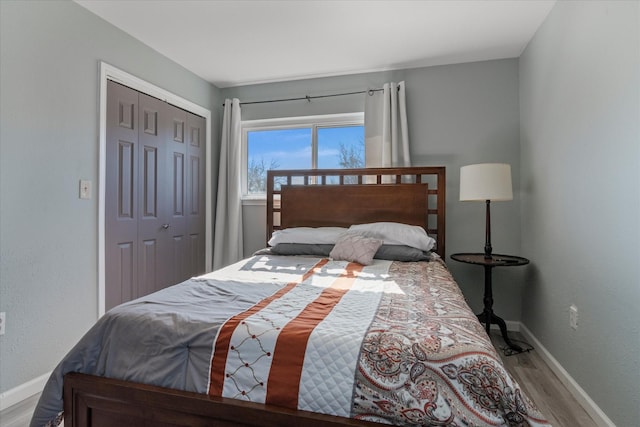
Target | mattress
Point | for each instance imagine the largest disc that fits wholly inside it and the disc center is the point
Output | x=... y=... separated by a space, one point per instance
x=392 y=342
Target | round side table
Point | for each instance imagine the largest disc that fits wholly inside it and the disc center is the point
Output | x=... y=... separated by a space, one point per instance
x=496 y=260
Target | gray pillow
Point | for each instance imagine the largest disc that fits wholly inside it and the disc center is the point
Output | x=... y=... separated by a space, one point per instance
x=263 y=251
x=386 y=252
x=315 y=249
x=401 y=253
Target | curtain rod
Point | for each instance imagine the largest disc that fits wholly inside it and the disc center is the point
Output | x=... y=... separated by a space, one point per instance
x=309 y=98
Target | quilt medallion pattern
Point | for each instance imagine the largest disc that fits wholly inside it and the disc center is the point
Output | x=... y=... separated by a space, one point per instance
x=427 y=361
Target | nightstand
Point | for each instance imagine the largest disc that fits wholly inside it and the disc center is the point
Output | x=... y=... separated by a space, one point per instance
x=488 y=316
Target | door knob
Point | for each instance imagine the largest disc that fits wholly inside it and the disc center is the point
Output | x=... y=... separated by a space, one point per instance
x=165 y=226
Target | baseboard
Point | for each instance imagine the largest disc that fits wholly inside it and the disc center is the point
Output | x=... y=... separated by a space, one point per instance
x=594 y=411
x=22 y=392
x=511 y=326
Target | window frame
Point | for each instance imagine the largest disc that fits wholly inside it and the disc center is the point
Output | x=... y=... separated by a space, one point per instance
x=312 y=122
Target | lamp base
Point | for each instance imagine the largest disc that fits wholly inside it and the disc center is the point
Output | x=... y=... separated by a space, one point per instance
x=487 y=242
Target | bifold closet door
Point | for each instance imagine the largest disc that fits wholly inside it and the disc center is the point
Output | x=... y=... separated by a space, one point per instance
x=183 y=222
x=154 y=195
x=196 y=193
x=121 y=196
x=153 y=222
x=176 y=194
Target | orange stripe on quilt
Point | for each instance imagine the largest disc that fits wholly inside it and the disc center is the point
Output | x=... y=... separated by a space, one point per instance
x=221 y=349
x=288 y=357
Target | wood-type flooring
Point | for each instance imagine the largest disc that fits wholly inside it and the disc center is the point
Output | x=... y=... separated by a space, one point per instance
x=541 y=385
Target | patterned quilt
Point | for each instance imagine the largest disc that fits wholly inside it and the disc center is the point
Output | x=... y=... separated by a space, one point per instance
x=391 y=342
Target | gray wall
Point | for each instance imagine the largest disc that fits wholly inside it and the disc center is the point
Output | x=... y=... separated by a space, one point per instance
x=458 y=115
x=49 y=56
x=580 y=188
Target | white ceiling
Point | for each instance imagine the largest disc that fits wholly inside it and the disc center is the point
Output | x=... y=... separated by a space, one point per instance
x=231 y=43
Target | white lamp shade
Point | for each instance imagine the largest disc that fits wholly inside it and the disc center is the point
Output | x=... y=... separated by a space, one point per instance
x=486 y=181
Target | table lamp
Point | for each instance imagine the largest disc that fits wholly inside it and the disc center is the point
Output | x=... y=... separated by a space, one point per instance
x=486 y=182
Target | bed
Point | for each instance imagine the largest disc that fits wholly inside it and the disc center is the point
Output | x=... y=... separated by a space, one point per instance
x=349 y=318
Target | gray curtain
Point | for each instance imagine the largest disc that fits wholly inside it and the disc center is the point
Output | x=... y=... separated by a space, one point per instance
x=385 y=127
x=227 y=247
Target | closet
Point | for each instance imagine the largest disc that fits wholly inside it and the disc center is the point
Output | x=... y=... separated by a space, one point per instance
x=154 y=195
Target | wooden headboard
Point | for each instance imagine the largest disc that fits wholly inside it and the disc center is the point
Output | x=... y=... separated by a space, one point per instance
x=342 y=197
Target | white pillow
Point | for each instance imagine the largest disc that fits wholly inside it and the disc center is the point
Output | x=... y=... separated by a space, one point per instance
x=394 y=233
x=309 y=235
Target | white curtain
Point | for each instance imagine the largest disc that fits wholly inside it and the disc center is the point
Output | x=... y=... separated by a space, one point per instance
x=227 y=247
x=385 y=127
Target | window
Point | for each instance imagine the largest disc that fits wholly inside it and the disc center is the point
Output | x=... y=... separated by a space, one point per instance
x=319 y=142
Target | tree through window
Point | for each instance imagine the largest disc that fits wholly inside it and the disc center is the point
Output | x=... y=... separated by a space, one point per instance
x=316 y=145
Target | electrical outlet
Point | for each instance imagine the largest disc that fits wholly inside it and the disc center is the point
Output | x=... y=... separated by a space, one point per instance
x=573 y=316
x=85 y=189
x=3 y=322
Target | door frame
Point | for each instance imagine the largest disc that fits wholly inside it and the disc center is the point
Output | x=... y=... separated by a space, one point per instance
x=109 y=72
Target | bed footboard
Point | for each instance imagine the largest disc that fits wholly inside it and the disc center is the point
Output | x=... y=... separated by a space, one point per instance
x=96 y=401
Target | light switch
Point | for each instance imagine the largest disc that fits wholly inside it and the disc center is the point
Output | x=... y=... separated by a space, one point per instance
x=85 y=189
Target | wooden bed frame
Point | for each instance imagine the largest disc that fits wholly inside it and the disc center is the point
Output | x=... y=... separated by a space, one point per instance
x=294 y=198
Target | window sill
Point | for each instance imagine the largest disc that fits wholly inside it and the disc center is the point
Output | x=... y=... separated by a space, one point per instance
x=254 y=200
